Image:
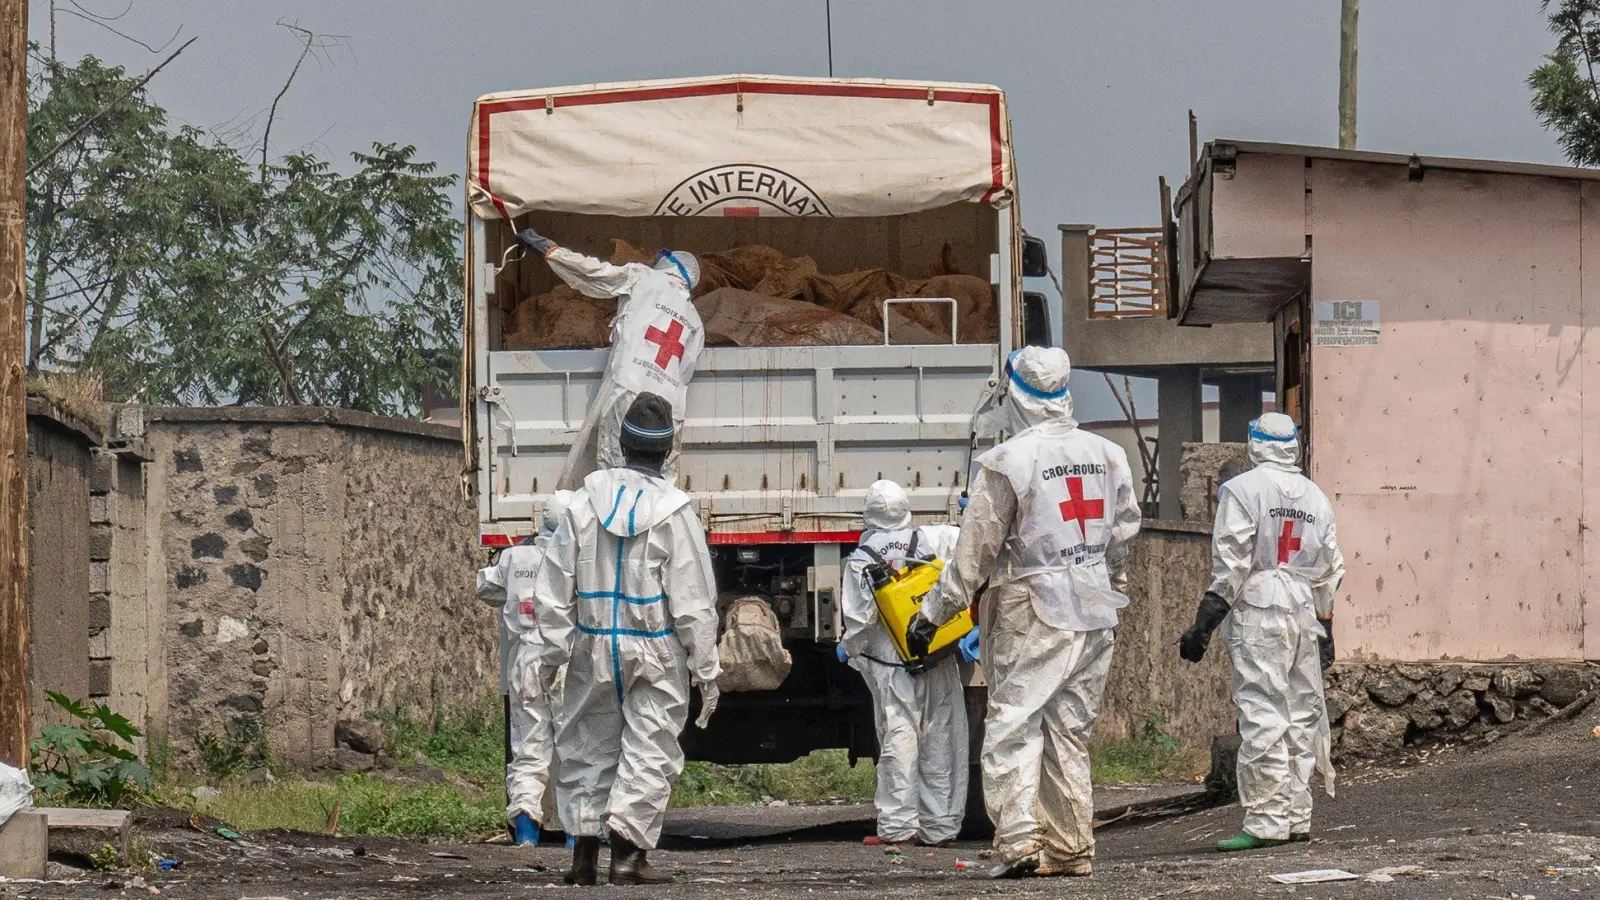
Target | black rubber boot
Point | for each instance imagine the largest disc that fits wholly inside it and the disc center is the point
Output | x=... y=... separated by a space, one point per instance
x=585 y=869
x=629 y=865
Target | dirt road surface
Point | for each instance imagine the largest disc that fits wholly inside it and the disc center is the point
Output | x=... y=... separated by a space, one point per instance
x=1517 y=819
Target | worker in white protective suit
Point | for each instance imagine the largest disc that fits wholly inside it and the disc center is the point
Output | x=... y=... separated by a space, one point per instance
x=656 y=339
x=509 y=583
x=628 y=604
x=1050 y=515
x=921 y=719
x=1275 y=563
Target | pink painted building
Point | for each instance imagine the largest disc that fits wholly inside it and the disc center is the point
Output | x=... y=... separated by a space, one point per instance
x=1431 y=318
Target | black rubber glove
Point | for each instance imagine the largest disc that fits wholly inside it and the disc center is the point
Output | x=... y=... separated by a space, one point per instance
x=1213 y=609
x=1325 y=643
x=919 y=635
x=535 y=241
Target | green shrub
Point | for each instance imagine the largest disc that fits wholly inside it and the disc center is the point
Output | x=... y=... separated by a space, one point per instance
x=86 y=764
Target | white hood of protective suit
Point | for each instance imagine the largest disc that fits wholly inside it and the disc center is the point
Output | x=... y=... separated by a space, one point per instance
x=629 y=502
x=887 y=507
x=1036 y=388
x=1275 y=441
x=560 y=501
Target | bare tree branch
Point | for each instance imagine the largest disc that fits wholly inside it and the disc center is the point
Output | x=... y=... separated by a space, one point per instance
x=101 y=21
x=307 y=37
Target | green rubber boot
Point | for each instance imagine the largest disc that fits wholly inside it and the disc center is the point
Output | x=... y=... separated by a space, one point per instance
x=1244 y=840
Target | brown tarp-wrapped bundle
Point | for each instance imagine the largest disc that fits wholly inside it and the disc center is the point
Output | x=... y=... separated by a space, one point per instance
x=755 y=296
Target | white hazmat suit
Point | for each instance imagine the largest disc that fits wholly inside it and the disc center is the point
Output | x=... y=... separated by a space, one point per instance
x=1050 y=516
x=656 y=339
x=921 y=719
x=1275 y=560
x=509 y=583
x=629 y=606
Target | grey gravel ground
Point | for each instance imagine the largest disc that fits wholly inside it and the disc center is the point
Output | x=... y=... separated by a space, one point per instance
x=1517 y=819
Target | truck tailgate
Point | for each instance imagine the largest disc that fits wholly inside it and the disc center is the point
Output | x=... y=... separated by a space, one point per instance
x=776 y=439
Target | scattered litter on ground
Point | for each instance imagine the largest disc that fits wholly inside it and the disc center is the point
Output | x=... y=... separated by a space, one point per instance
x=449 y=856
x=168 y=864
x=1314 y=876
x=962 y=865
x=227 y=833
x=1387 y=874
x=1340 y=828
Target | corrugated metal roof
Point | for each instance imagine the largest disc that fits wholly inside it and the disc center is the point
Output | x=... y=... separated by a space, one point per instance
x=1496 y=167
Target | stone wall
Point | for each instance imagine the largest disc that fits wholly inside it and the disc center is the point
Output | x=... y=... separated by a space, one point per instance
x=1378 y=709
x=319 y=566
x=1169 y=567
x=1205 y=467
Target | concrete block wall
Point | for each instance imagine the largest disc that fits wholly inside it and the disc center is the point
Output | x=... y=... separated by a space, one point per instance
x=1169 y=567
x=63 y=618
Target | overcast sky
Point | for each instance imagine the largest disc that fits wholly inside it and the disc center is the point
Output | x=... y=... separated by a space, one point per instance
x=1098 y=90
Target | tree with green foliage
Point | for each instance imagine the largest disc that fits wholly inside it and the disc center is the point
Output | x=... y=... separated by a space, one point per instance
x=165 y=262
x=1566 y=87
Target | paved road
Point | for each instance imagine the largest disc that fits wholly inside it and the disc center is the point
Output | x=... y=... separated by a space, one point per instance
x=1517 y=819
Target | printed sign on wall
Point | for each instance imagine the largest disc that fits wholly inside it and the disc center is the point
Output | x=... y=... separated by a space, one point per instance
x=1346 y=323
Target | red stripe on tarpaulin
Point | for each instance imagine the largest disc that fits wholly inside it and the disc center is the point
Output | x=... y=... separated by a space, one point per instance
x=741 y=211
x=483 y=163
x=783 y=537
x=485 y=110
x=996 y=160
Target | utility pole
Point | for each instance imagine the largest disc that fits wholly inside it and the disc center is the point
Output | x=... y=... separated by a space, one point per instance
x=827 y=14
x=14 y=642
x=1349 y=12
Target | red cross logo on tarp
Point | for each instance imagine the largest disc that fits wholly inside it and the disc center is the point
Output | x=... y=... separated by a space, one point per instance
x=1287 y=542
x=525 y=607
x=1076 y=508
x=669 y=342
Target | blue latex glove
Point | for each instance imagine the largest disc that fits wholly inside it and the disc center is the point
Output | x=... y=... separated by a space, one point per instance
x=535 y=241
x=962 y=500
x=838 y=651
x=968 y=647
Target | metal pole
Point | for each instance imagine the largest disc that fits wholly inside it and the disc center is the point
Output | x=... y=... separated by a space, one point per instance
x=827 y=12
x=1349 y=12
x=14 y=642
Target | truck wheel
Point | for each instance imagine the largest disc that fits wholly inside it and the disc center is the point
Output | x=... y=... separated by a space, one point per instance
x=976 y=825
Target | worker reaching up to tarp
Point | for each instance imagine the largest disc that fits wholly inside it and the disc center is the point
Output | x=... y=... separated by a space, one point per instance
x=921 y=718
x=509 y=583
x=1048 y=524
x=656 y=339
x=1275 y=563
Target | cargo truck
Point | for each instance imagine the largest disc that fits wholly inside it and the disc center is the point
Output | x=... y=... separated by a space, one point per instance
x=780 y=442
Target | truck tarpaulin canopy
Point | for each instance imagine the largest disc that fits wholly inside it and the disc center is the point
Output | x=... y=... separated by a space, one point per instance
x=740 y=145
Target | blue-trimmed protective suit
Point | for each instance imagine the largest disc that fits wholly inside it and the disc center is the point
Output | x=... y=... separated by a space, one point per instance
x=628 y=604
